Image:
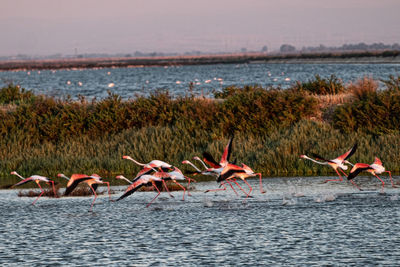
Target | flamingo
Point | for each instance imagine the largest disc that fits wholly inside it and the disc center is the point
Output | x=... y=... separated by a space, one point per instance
x=232 y=171
x=209 y=171
x=144 y=180
x=159 y=185
x=224 y=158
x=337 y=163
x=152 y=164
x=375 y=168
x=175 y=174
x=92 y=181
x=37 y=179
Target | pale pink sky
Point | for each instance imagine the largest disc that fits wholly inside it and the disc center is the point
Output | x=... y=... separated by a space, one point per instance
x=42 y=27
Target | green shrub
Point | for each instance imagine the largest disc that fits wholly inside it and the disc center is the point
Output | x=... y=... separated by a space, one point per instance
x=321 y=86
x=15 y=94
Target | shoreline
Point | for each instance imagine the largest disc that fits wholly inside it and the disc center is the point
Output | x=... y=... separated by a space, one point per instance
x=386 y=57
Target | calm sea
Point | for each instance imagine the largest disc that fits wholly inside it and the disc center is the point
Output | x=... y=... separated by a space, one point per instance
x=205 y=79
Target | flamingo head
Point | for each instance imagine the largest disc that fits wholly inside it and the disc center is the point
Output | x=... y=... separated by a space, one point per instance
x=126 y=157
x=185 y=162
x=119 y=177
x=196 y=158
x=14 y=173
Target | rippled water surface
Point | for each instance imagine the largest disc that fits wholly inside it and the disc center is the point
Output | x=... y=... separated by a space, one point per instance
x=299 y=221
x=128 y=82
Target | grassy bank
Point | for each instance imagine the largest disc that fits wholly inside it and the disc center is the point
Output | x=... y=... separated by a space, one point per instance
x=272 y=127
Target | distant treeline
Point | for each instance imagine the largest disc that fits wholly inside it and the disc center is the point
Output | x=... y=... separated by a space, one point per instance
x=272 y=127
x=290 y=55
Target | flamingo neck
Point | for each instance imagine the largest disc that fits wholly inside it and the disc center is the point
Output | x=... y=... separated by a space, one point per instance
x=138 y=163
x=194 y=166
x=124 y=178
x=202 y=162
x=15 y=173
x=64 y=176
x=316 y=161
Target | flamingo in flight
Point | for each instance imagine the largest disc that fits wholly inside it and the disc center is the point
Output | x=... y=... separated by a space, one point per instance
x=144 y=180
x=210 y=172
x=152 y=164
x=92 y=181
x=337 y=163
x=215 y=168
x=174 y=175
x=232 y=171
x=37 y=179
x=374 y=168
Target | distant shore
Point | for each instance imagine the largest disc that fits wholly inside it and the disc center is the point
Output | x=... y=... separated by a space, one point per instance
x=381 y=57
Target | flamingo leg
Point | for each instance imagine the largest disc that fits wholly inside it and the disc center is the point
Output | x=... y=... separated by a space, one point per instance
x=33 y=203
x=391 y=180
x=383 y=183
x=356 y=185
x=155 y=196
x=108 y=186
x=343 y=172
x=184 y=189
x=166 y=188
x=244 y=180
x=189 y=179
x=262 y=191
x=337 y=180
x=232 y=185
x=218 y=189
x=54 y=189
x=241 y=188
x=95 y=196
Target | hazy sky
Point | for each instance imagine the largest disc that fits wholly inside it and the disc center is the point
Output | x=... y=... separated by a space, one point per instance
x=43 y=27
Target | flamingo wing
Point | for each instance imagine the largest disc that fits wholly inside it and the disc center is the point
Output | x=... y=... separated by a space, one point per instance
x=229 y=174
x=26 y=180
x=377 y=161
x=318 y=157
x=145 y=170
x=210 y=160
x=359 y=167
x=348 y=154
x=74 y=184
x=94 y=186
x=132 y=189
x=227 y=153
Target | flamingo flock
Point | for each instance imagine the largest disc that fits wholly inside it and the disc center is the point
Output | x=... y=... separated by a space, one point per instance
x=156 y=173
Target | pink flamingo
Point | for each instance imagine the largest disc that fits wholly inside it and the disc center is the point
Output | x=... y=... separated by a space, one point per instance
x=374 y=168
x=337 y=163
x=92 y=181
x=37 y=179
x=144 y=180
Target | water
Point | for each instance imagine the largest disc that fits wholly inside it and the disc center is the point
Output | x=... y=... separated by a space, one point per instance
x=129 y=82
x=299 y=221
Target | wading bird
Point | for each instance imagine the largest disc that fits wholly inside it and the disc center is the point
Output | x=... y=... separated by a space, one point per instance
x=152 y=164
x=144 y=180
x=232 y=171
x=210 y=172
x=92 y=181
x=374 y=168
x=174 y=175
x=37 y=179
x=337 y=163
